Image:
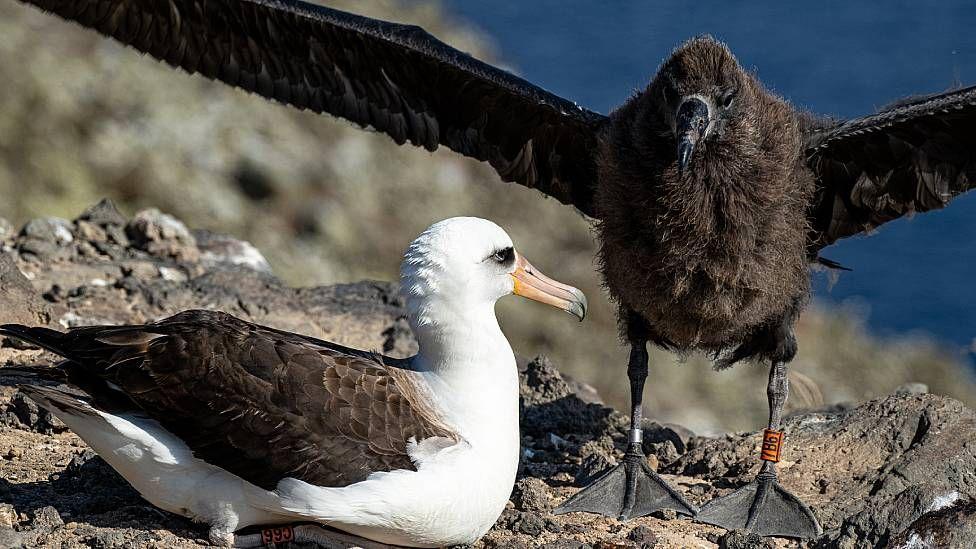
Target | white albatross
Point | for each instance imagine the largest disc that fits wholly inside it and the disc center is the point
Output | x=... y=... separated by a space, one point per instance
x=234 y=424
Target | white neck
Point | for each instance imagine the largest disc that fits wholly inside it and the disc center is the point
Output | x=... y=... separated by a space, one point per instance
x=470 y=365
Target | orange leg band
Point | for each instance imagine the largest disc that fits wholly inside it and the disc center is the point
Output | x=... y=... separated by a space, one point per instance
x=772 y=445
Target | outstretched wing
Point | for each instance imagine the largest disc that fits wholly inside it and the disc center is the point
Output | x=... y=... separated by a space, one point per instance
x=398 y=79
x=914 y=156
x=262 y=404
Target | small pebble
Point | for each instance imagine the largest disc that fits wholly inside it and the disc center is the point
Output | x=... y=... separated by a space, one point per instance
x=665 y=514
x=739 y=539
x=644 y=537
x=531 y=494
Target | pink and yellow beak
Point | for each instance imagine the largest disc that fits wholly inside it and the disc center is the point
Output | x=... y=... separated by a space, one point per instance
x=531 y=283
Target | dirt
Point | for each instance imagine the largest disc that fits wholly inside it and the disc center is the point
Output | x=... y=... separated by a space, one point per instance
x=892 y=472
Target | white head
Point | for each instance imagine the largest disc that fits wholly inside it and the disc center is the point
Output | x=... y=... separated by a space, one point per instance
x=459 y=267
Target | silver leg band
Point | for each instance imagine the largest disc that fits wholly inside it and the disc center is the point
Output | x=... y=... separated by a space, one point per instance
x=636 y=435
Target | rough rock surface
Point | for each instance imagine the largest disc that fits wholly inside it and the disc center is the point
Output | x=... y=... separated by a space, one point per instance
x=894 y=472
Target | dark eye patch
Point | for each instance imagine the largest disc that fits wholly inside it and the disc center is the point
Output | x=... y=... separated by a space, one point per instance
x=504 y=256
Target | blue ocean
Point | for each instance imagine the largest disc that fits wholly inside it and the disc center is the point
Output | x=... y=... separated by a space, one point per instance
x=838 y=58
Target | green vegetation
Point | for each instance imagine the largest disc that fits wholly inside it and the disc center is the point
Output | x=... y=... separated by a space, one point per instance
x=82 y=118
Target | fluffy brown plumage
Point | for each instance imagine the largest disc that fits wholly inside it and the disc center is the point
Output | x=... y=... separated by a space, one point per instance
x=711 y=256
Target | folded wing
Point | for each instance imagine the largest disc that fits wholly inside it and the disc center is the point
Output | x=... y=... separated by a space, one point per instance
x=262 y=404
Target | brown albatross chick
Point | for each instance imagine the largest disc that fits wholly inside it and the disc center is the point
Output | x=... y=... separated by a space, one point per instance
x=712 y=195
x=708 y=252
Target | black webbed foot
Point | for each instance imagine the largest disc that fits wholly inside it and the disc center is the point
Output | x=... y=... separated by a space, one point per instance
x=629 y=490
x=765 y=508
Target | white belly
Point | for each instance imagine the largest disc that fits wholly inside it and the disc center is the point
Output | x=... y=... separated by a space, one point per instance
x=163 y=470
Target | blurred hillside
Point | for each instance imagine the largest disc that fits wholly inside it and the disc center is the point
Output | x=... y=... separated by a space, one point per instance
x=82 y=118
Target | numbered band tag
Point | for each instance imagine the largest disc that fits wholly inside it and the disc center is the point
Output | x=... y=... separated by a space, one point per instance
x=277 y=535
x=772 y=445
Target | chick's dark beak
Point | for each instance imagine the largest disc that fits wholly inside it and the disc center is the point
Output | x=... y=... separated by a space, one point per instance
x=690 y=126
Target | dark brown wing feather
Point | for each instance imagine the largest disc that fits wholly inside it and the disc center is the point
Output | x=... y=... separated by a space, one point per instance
x=396 y=78
x=260 y=403
x=912 y=157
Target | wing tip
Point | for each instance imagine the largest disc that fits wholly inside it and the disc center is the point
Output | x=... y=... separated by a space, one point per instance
x=12 y=329
x=45 y=338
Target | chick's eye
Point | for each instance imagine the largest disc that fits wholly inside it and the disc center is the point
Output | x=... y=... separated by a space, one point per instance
x=727 y=98
x=505 y=255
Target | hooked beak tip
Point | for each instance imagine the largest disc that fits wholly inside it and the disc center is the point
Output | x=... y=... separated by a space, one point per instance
x=685 y=151
x=578 y=307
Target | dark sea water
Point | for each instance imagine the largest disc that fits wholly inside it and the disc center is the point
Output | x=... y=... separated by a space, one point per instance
x=838 y=58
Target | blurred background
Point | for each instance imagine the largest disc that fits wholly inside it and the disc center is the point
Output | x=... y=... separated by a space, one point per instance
x=82 y=118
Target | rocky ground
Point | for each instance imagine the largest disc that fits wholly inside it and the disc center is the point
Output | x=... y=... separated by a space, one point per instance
x=899 y=471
